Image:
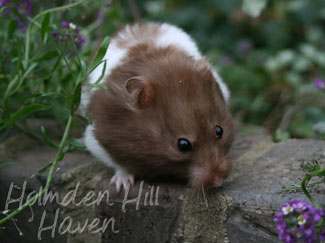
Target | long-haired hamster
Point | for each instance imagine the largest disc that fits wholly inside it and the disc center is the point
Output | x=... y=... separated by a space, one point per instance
x=164 y=112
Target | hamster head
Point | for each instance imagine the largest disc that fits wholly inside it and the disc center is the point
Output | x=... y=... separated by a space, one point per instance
x=163 y=114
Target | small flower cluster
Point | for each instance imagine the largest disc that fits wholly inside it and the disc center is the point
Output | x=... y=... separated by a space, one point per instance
x=225 y=60
x=69 y=30
x=244 y=47
x=319 y=83
x=23 y=7
x=298 y=220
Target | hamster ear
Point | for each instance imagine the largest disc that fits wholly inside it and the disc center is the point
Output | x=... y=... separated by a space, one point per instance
x=204 y=59
x=202 y=63
x=140 y=91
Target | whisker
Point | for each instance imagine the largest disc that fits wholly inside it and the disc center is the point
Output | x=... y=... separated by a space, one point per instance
x=205 y=199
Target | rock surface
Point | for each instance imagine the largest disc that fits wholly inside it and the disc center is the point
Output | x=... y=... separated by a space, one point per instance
x=242 y=210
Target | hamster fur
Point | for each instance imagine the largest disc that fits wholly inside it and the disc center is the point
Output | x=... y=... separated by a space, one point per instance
x=160 y=90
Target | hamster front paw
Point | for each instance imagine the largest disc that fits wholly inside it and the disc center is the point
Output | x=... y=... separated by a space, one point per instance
x=120 y=178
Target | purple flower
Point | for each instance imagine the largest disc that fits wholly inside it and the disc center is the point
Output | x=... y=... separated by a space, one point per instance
x=65 y=23
x=298 y=220
x=244 y=47
x=322 y=235
x=280 y=227
x=317 y=217
x=23 y=7
x=309 y=232
x=319 y=83
x=4 y=2
x=80 y=40
x=225 y=60
x=69 y=32
x=27 y=4
x=289 y=239
x=298 y=206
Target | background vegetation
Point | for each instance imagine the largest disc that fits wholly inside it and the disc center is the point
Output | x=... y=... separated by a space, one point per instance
x=270 y=62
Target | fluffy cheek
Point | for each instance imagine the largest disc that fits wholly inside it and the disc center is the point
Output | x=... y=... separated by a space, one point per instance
x=199 y=177
x=209 y=175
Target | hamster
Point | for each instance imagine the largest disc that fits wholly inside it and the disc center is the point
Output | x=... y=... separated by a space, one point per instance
x=164 y=112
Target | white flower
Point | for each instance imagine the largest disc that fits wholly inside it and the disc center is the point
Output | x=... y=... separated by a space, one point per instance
x=301 y=220
x=5 y=212
x=287 y=209
x=72 y=26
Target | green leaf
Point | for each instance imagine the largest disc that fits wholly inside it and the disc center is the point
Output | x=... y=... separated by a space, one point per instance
x=320 y=172
x=96 y=84
x=5 y=165
x=43 y=169
x=47 y=56
x=254 y=7
x=281 y=136
x=45 y=26
x=64 y=151
x=15 y=85
x=11 y=28
x=23 y=113
x=19 y=49
x=16 y=12
x=31 y=67
x=83 y=68
x=36 y=95
x=83 y=118
x=76 y=144
x=103 y=86
x=309 y=167
x=76 y=98
x=55 y=66
x=102 y=74
x=46 y=139
x=99 y=56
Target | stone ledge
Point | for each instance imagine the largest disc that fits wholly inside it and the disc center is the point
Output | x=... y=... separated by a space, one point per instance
x=243 y=209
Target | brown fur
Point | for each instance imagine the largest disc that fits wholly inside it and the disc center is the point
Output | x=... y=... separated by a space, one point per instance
x=154 y=97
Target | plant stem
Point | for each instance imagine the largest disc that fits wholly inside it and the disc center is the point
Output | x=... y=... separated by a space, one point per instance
x=49 y=177
x=303 y=186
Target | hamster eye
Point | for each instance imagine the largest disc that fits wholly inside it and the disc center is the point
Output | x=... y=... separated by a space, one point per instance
x=184 y=145
x=219 y=132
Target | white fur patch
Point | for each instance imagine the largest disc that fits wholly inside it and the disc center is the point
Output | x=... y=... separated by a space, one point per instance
x=224 y=89
x=171 y=36
x=174 y=36
x=113 y=56
x=97 y=150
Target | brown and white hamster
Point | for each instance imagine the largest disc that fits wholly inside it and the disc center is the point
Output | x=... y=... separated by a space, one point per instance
x=164 y=112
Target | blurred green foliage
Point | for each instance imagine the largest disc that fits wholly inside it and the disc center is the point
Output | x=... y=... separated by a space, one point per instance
x=269 y=62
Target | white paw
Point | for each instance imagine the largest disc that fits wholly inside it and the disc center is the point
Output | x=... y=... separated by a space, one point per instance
x=122 y=178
